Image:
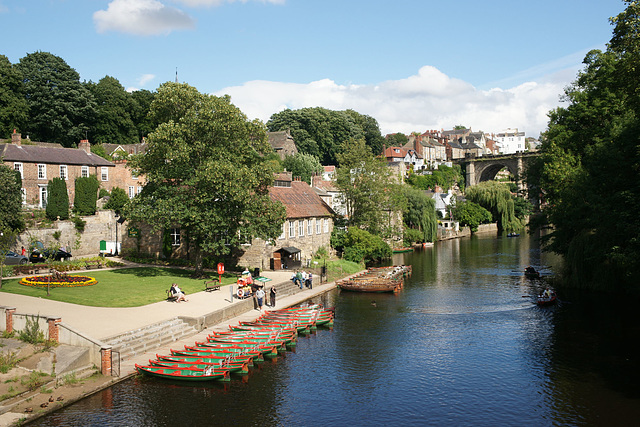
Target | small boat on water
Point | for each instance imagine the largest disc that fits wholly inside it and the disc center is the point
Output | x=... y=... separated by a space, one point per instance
x=549 y=300
x=513 y=234
x=531 y=273
x=382 y=279
x=401 y=250
x=209 y=374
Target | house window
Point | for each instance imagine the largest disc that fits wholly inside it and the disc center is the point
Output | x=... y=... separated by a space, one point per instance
x=318 y=225
x=43 y=197
x=85 y=172
x=300 y=228
x=175 y=236
x=18 y=167
x=63 y=172
x=326 y=225
x=282 y=236
x=309 y=228
x=42 y=171
x=23 y=191
x=292 y=229
x=132 y=191
x=104 y=173
x=139 y=189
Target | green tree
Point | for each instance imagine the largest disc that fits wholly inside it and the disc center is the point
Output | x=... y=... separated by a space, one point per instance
x=13 y=106
x=445 y=177
x=114 y=107
x=302 y=165
x=57 y=200
x=60 y=107
x=206 y=173
x=396 y=140
x=321 y=132
x=421 y=214
x=471 y=214
x=86 y=195
x=497 y=199
x=11 y=221
x=587 y=171
x=368 y=189
x=359 y=245
x=118 y=200
x=142 y=100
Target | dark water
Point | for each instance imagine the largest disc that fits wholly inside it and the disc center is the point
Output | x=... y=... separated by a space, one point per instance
x=462 y=344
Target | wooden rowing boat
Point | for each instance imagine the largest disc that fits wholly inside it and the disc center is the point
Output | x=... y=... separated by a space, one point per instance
x=383 y=279
x=184 y=374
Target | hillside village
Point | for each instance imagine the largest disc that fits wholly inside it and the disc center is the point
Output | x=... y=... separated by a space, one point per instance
x=310 y=207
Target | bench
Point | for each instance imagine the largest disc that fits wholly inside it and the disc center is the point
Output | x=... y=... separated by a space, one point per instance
x=92 y=264
x=212 y=285
x=22 y=269
x=170 y=296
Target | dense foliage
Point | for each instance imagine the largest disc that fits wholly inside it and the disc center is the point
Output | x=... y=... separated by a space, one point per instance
x=11 y=205
x=420 y=215
x=206 y=174
x=371 y=195
x=57 y=200
x=302 y=165
x=444 y=177
x=497 y=199
x=118 y=199
x=471 y=214
x=85 y=198
x=359 y=245
x=43 y=98
x=321 y=132
x=588 y=170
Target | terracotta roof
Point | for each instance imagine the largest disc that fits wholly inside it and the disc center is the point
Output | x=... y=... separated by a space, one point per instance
x=300 y=200
x=329 y=168
x=50 y=155
x=325 y=185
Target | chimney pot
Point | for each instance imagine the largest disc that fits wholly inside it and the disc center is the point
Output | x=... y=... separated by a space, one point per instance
x=16 y=138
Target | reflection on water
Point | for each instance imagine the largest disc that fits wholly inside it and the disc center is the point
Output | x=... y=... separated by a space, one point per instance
x=462 y=344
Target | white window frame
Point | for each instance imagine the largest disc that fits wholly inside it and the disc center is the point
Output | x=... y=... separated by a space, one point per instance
x=175 y=236
x=64 y=172
x=104 y=173
x=17 y=166
x=301 y=228
x=318 y=226
x=284 y=231
x=23 y=193
x=326 y=225
x=139 y=189
x=42 y=171
x=42 y=190
x=292 y=229
x=85 y=172
x=309 y=227
x=132 y=191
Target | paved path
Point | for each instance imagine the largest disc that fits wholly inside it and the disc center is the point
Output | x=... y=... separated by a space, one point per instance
x=104 y=322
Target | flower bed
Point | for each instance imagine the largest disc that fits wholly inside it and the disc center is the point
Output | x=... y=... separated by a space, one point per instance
x=58 y=282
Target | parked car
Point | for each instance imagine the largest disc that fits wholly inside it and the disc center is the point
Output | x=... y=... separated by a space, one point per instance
x=38 y=256
x=13 y=258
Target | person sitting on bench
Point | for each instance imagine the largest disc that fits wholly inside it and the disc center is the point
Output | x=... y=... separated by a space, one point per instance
x=177 y=293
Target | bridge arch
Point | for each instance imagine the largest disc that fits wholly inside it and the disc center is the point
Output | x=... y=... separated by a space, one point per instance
x=485 y=168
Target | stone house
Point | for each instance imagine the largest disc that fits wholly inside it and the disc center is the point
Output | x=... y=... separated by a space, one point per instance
x=307 y=228
x=329 y=193
x=282 y=143
x=38 y=163
x=408 y=156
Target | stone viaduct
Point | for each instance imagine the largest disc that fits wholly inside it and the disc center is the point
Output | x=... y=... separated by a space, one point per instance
x=485 y=168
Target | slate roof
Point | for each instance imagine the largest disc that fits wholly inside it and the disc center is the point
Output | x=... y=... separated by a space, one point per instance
x=300 y=200
x=140 y=148
x=50 y=155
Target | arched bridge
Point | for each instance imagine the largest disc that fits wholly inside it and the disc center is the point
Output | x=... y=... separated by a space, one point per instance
x=486 y=167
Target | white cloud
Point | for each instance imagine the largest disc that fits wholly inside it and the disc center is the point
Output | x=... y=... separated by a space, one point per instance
x=146 y=78
x=428 y=100
x=198 y=3
x=141 y=17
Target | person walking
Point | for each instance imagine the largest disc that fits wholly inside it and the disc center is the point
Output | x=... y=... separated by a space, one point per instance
x=260 y=297
x=310 y=281
x=272 y=293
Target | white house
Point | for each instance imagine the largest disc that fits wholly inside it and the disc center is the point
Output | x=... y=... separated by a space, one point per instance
x=510 y=141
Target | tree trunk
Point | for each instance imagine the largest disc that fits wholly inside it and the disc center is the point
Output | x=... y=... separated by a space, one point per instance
x=199 y=271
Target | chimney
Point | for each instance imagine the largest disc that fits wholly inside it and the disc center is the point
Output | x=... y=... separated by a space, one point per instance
x=16 y=138
x=84 y=145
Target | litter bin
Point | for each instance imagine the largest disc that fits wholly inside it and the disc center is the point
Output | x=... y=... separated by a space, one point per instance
x=256 y=272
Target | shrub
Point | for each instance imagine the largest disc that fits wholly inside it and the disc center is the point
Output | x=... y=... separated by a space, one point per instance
x=32 y=333
x=360 y=245
x=117 y=200
x=84 y=202
x=57 y=200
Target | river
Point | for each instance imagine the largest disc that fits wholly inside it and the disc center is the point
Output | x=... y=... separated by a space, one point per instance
x=462 y=344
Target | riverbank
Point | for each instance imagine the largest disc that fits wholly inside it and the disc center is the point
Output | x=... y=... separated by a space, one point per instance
x=57 y=394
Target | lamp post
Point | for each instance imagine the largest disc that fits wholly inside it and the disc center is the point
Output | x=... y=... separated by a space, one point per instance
x=116 y=251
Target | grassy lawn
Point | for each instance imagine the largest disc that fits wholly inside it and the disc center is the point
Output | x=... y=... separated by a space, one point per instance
x=124 y=287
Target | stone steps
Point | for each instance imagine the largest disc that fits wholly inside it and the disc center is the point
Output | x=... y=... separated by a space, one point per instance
x=150 y=337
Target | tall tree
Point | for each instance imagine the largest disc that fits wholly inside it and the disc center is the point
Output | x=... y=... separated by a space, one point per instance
x=142 y=100
x=588 y=170
x=13 y=106
x=11 y=196
x=497 y=199
x=57 y=199
x=114 y=108
x=367 y=187
x=420 y=214
x=60 y=107
x=206 y=173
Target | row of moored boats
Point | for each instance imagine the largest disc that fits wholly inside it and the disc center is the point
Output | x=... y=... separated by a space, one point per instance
x=236 y=350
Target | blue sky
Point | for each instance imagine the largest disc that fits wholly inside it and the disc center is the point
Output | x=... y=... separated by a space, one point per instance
x=411 y=64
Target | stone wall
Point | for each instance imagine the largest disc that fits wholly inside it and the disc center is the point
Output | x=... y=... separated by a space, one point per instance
x=101 y=226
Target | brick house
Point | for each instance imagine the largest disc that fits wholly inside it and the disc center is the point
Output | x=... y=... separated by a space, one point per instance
x=38 y=163
x=126 y=178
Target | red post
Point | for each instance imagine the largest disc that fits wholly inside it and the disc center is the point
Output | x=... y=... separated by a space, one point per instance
x=220 y=272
